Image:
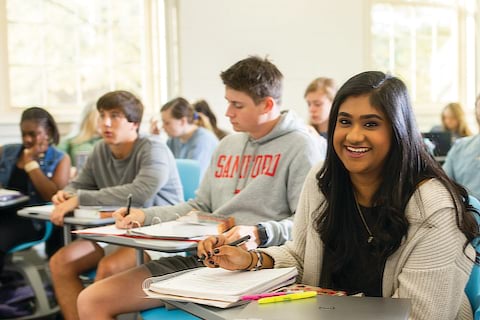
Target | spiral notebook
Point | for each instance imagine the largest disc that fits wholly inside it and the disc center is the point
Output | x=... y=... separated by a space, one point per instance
x=215 y=286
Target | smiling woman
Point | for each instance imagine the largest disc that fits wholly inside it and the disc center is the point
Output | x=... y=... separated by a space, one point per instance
x=379 y=206
x=362 y=139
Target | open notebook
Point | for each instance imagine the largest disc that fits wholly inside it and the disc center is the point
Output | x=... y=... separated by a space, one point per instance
x=215 y=286
x=171 y=230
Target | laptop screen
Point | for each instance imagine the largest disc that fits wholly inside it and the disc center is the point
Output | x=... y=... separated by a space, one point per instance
x=330 y=308
x=441 y=142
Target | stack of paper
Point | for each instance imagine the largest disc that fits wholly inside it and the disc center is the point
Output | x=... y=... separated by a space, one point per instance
x=217 y=287
x=6 y=194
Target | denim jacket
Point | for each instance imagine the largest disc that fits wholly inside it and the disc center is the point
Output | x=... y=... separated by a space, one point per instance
x=48 y=164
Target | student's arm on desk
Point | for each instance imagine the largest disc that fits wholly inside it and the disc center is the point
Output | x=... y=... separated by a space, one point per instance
x=62 y=207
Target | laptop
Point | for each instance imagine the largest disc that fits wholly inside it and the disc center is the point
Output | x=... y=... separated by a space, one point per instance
x=442 y=141
x=331 y=308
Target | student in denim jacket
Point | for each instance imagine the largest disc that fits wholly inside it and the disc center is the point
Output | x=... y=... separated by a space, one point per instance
x=36 y=168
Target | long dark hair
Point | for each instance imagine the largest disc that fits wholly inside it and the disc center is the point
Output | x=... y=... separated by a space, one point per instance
x=408 y=164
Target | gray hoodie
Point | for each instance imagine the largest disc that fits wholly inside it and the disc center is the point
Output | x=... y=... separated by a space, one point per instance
x=256 y=181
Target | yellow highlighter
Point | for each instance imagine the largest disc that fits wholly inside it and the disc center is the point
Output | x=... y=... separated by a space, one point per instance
x=288 y=297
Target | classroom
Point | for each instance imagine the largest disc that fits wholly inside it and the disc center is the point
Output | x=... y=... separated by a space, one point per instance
x=144 y=112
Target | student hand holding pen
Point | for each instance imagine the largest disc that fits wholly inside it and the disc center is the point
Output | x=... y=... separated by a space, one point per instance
x=216 y=252
x=135 y=218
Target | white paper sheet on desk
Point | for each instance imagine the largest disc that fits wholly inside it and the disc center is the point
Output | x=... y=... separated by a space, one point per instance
x=172 y=230
x=108 y=230
x=176 y=230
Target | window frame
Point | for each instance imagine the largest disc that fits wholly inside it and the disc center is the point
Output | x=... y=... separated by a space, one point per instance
x=159 y=74
x=468 y=73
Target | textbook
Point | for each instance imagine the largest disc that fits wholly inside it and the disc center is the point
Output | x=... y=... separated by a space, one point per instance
x=94 y=212
x=215 y=286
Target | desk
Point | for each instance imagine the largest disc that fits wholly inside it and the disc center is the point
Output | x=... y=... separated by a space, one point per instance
x=207 y=312
x=321 y=307
x=43 y=213
x=168 y=246
x=12 y=202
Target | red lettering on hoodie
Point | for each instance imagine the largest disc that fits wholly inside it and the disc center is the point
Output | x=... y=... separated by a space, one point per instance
x=220 y=161
x=257 y=165
x=244 y=167
x=226 y=169
x=231 y=166
x=272 y=167
x=235 y=166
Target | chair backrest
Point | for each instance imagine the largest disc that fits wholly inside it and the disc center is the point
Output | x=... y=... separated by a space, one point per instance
x=189 y=171
x=473 y=285
x=27 y=245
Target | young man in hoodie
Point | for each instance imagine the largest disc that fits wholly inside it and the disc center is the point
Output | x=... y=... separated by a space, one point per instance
x=255 y=176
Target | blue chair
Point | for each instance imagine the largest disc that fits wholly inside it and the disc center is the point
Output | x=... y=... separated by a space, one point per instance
x=189 y=171
x=473 y=285
x=164 y=313
x=32 y=273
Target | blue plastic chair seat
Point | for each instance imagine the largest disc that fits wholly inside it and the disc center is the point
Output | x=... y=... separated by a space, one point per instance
x=164 y=313
x=189 y=172
x=28 y=245
x=472 y=288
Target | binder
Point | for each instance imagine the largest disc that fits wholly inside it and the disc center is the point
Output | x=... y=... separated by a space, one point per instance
x=215 y=286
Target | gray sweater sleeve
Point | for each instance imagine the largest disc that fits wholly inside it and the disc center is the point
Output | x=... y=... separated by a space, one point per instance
x=281 y=231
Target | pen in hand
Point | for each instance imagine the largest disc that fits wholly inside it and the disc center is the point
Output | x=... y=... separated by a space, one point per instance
x=239 y=242
x=235 y=243
x=129 y=204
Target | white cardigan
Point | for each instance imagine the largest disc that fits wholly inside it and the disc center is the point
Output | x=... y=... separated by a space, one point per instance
x=430 y=267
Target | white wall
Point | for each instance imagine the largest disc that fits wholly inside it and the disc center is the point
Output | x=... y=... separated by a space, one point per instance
x=304 y=38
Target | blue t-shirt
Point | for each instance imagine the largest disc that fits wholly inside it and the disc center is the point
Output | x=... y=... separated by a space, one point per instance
x=463 y=163
x=199 y=147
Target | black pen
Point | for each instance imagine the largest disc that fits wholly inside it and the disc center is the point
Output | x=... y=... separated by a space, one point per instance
x=129 y=204
x=240 y=241
x=235 y=243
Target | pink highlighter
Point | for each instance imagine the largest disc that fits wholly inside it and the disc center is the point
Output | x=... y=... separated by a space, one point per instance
x=263 y=295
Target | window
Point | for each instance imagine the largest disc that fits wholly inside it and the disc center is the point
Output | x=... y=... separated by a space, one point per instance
x=64 y=54
x=430 y=45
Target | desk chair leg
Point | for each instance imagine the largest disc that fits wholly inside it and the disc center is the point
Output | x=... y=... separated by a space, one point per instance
x=32 y=276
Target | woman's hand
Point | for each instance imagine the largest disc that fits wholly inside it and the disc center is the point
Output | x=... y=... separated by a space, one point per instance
x=36 y=150
x=136 y=218
x=216 y=253
x=239 y=231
